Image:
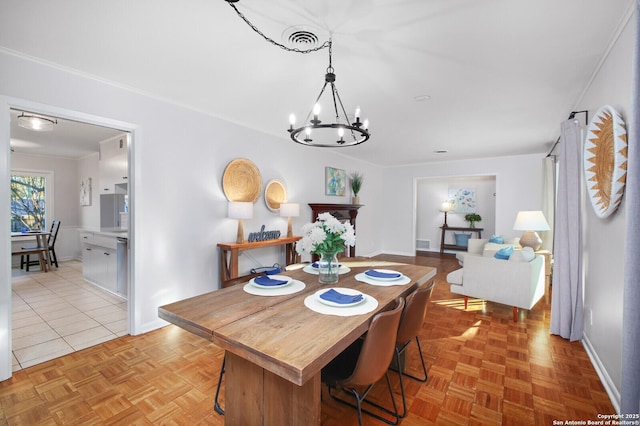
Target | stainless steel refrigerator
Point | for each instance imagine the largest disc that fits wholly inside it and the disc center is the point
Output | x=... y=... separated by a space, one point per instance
x=110 y=207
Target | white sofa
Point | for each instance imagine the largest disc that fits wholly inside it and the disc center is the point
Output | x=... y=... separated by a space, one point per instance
x=511 y=282
x=482 y=246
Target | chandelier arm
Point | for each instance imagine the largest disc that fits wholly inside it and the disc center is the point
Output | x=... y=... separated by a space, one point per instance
x=346 y=117
x=275 y=43
x=334 y=93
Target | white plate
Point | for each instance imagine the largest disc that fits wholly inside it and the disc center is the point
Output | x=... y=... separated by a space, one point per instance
x=289 y=280
x=384 y=271
x=342 y=290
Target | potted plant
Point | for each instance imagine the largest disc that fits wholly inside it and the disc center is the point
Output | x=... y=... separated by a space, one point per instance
x=472 y=218
x=356 y=184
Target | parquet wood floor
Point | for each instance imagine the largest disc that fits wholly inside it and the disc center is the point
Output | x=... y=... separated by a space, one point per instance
x=484 y=369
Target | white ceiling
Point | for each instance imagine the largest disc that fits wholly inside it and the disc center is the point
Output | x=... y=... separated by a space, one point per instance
x=501 y=74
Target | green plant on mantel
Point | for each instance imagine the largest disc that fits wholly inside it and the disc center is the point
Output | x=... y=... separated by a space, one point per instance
x=472 y=218
x=356 y=182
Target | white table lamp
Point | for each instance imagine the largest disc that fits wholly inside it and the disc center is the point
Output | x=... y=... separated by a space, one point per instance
x=289 y=210
x=530 y=222
x=240 y=210
x=445 y=207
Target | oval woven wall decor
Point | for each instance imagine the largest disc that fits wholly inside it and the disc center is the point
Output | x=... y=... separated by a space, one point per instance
x=275 y=194
x=241 y=181
x=605 y=160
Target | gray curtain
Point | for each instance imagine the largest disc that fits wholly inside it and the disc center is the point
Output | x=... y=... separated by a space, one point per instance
x=549 y=201
x=630 y=392
x=566 y=297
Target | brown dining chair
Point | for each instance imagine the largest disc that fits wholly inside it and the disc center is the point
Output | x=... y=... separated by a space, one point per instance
x=410 y=324
x=216 y=404
x=365 y=362
x=51 y=242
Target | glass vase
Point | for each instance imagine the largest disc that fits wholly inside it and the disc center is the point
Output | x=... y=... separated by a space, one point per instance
x=328 y=268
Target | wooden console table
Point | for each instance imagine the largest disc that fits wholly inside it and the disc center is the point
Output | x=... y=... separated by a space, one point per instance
x=444 y=246
x=340 y=212
x=229 y=253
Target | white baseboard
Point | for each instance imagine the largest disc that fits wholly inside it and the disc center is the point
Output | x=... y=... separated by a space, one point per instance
x=609 y=386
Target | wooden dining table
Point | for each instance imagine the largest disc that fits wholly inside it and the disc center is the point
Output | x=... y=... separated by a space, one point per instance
x=41 y=247
x=276 y=346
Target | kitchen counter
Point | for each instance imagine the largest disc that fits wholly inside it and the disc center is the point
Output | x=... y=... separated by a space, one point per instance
x=104 y=258
x=120 y=233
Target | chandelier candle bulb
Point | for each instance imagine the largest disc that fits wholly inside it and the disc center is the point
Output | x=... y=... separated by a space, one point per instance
x=316 y=112
x=292 y=121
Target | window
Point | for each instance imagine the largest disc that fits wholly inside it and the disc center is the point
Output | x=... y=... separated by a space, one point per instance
x=30 y=205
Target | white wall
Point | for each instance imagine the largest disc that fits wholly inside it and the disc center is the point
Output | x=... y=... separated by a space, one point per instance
x=178 y=209
x=89 y=216
x=432 y=192
x=65 y=200
x=518 y=187
x=604 y=238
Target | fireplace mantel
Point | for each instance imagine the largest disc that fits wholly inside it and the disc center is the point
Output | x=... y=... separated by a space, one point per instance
x=340 y=212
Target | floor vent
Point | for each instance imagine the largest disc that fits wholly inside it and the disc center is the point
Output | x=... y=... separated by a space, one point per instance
x=423 y=244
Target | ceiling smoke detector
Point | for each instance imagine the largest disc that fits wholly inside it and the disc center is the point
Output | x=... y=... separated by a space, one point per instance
x=300 y=37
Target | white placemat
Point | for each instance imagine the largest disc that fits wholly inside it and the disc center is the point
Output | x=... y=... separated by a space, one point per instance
x=294 y=287
x=311 y=270
x=370 y=304
x=365 y=279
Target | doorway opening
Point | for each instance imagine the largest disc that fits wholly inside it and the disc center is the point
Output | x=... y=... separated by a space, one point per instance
x=70 y=307
x=431 y=193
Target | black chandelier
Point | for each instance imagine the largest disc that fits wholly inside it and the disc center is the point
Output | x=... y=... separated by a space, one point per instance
x=345 y=134
x=316 y=132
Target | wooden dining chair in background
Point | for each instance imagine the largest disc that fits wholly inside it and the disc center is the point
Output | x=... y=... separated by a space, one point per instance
x=410 y=324
x=365 y=362
x=24 y=259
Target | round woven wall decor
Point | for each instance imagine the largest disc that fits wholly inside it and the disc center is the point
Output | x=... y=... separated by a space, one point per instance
x=605 y=160
x=274 y=194
x=241 y=181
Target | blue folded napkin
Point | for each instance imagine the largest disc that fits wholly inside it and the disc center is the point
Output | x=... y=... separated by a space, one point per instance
x=377 y=274
x=337 y=297
x=265 y=280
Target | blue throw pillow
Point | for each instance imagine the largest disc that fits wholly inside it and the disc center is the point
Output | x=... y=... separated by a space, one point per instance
x=504 y=253
x=496 y=239
x=462 y=239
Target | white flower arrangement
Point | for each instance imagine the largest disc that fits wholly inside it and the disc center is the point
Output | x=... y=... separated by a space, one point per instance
x=326 y=235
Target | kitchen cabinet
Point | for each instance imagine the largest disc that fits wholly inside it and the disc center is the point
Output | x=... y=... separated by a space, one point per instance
x=113 y=164
x=99 y=260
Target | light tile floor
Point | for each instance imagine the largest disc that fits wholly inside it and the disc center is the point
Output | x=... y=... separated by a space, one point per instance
x=58 y=312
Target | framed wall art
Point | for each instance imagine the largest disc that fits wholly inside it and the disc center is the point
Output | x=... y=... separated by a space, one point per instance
x=85 y=192
x=335 y=181
x=463 y=200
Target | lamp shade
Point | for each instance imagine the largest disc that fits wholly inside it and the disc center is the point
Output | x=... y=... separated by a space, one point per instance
x=446 y=206
x=531 y=221
x=240 y=210
x=289 y=209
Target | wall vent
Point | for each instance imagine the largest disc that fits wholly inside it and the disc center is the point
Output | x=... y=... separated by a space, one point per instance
x=423 y=245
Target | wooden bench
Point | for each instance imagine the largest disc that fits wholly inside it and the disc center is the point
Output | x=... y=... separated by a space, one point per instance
x=43 y=256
